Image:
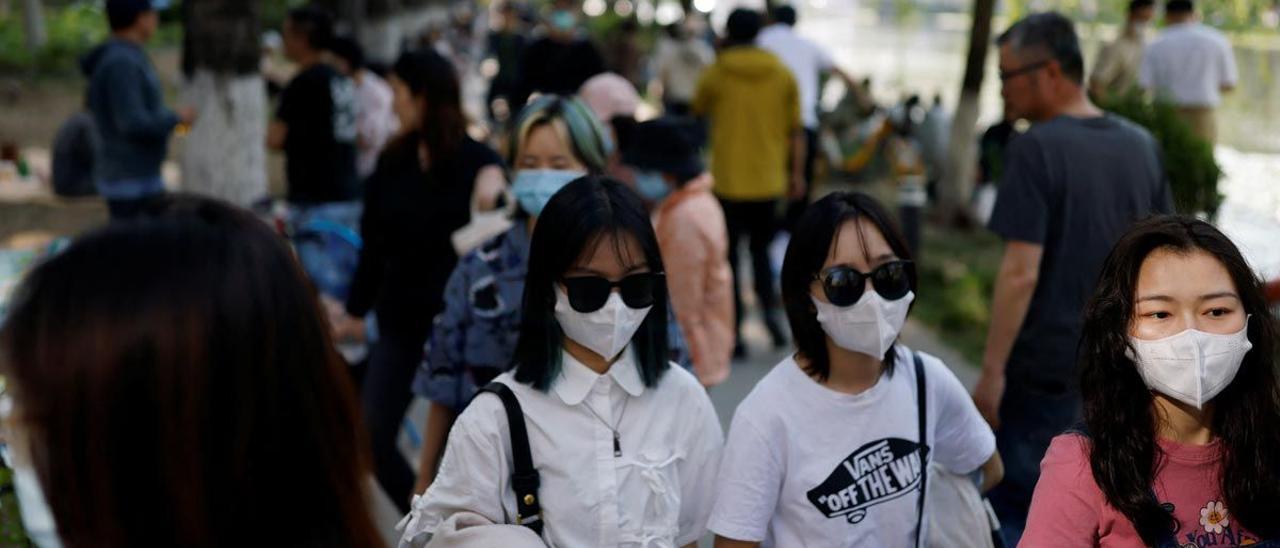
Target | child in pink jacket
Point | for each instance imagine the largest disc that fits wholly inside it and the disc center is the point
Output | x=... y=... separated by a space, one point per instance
x=693 y=238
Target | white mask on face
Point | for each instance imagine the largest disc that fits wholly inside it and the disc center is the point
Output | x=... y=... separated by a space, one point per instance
x=869 y=326
x=606 y=331
x=1192 y=366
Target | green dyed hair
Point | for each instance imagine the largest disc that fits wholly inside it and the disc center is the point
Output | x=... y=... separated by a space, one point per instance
x=590 y=142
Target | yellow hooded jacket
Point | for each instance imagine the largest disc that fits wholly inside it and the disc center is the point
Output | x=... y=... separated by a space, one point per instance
x=752 y=102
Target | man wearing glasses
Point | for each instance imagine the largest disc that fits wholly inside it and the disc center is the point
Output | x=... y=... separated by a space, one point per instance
x=1072 y=184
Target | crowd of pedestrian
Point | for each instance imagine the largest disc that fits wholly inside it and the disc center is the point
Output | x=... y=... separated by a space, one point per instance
x=566 y=304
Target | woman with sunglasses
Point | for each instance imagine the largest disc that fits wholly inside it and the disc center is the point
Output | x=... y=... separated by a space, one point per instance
x=1180 y=441
x=556 y=140
x=626 y=445
x=825 y=450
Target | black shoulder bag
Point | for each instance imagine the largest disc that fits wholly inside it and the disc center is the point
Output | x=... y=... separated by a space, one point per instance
x=524 y=478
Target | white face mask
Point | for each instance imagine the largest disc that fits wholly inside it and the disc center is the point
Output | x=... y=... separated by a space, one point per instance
x=606 y=331
x=1192 y=366
x=869 y=326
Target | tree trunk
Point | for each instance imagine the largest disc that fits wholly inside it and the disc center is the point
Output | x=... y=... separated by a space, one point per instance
x=957 y=183
x=33 y=24
x=225 y=153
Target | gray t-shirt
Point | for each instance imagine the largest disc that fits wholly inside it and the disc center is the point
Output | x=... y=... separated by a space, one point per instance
x=1074 y=186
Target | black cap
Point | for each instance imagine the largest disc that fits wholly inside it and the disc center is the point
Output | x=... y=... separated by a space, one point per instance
x=123 y=13
x=670 y=145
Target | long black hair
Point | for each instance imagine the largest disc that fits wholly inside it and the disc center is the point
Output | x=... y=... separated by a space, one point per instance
x=1118 y=407
x=808 y=251
x=577 y=217
x=430 y=76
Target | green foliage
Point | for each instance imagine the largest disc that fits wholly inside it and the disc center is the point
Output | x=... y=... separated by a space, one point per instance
x=957 y=277
x=12 y=532
x=72 y=30
x=76 y=27
x=1193 y=172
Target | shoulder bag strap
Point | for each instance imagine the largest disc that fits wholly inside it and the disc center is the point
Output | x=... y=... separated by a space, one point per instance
x=922 y=416
x=524 y=479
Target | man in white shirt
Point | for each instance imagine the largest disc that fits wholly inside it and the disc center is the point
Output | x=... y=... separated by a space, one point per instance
x=1190 y=65
x=807 y=61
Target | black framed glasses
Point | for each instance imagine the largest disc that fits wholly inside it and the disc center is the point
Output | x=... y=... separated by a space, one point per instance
x=1006 y=75
x=843 y=285
x=590 y=293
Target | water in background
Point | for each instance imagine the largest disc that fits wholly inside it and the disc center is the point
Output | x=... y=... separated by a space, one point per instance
x=926 y=57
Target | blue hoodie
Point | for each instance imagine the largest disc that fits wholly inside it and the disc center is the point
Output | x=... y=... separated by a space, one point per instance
x=133 y=122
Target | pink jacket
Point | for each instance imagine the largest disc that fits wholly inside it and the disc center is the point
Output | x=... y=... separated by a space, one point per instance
x=695 y=250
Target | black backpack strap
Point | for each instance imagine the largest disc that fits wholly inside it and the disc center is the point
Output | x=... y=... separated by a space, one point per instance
x=524 y=479
x=922 y=417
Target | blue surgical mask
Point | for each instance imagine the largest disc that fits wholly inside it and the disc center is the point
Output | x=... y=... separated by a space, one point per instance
x=563 y=20
x=533 y=188
x=652 y=186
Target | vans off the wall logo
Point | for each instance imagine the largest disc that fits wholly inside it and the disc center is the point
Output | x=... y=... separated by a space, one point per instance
x=876 y=473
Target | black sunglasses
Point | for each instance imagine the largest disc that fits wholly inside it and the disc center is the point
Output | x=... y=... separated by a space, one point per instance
x=590 y=293
x=1014 y=73
x=844 y=286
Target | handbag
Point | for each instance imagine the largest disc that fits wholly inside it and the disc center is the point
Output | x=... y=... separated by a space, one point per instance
x=525 y=479
x=467 y=529
x=484 y=225
x=959 y=515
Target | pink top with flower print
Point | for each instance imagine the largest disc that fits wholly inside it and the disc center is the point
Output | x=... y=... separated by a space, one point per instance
x=1069 y=510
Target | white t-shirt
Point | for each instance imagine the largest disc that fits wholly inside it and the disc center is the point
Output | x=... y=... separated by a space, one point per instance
x=1189 y=64
x=805 y=59
x=807 y=466
x=658 y=493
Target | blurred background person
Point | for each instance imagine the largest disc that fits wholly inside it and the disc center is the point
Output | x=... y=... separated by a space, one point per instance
x=752 y=103
x=808 y=63
x=506 y=46
x=1191 y=65
x=624 y=53
x=376 y=120
x=666 y=155
x=562 y=59
x=186 y=394
x=315 y=122
x=128 y=110
x=616 y=104
x=678 y=62
x=1116 y=70
x=419 y=196
x=74 y=154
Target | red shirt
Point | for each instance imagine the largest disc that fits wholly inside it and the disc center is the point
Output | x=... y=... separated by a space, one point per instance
x=1068 y=509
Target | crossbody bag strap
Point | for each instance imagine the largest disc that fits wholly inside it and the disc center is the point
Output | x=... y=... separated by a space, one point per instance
x=922 y=415
x=524 y=479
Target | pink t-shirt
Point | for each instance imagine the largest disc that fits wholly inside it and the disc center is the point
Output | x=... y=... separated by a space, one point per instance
x=1068 y=509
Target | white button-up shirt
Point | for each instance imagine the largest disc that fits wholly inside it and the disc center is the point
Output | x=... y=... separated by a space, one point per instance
x=1189 y=64
x=657 y=494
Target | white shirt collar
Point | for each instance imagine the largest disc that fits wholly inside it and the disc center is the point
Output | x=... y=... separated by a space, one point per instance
x=576 y=379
